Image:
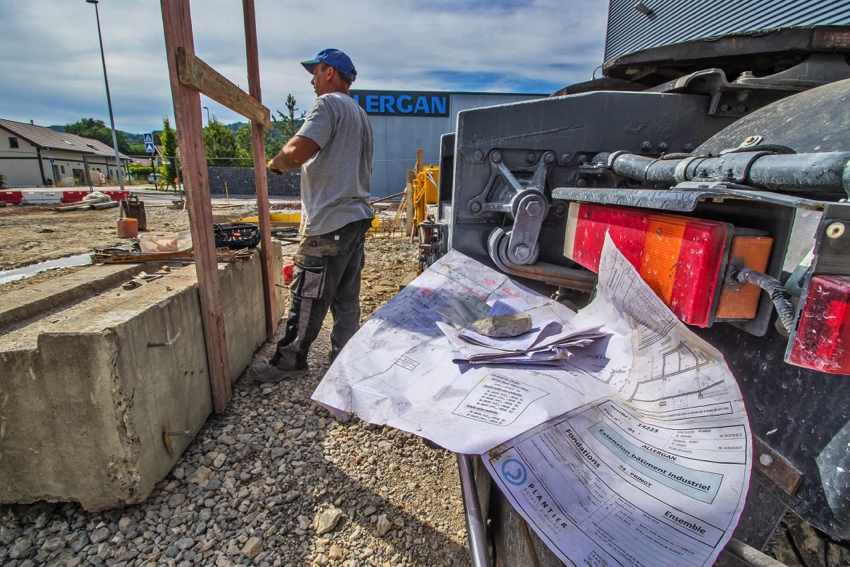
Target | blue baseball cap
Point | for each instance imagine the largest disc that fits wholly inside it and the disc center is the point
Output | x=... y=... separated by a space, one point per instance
x=336 y=59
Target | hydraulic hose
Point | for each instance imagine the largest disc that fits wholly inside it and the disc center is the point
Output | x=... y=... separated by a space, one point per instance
x=813 y=172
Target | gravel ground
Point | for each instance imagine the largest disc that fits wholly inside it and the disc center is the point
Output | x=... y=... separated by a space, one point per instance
x=275 y=480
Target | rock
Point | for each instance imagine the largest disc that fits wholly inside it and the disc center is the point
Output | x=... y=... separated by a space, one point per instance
x=125 y=523
x=226 y=440
x=175 y=500
x=20 y=549
x=369 y=511
x=201 y=475
x=53 y=543
x=810 y=547
x=503 y=326
x=335 y=552
x=252 y=548
x=327 y=520
x=185 y=543
x=77 y=541
x=219 y=460
x=8 y=535
x=383 y=525
x=99 y=535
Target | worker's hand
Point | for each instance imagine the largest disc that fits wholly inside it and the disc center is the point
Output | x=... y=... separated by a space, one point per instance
x=273 y=168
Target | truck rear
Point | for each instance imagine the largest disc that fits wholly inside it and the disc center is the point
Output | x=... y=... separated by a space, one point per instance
x=715 y=151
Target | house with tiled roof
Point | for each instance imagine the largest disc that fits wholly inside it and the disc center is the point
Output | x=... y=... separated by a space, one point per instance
x=35 y=156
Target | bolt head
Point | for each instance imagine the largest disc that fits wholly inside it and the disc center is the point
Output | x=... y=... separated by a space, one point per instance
x=765 y=460
x=835 y=230
x=566 y=159
x=475 y=207
x=646 y=145
x=496 y=157
x=530 y=157
x=533 y=208
x=522 y=251
x=478 y=155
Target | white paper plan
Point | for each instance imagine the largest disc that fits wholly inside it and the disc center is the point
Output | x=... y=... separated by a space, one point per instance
x=653 y=475
x=398 y=369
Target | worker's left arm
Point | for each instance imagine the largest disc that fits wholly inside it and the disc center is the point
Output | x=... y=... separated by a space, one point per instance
x=293 y=155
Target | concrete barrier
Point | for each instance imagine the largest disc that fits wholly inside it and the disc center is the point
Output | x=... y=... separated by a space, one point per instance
x=95 y=396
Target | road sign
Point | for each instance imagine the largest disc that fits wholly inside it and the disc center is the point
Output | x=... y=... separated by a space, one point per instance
x=51 y=161
x=149 y=143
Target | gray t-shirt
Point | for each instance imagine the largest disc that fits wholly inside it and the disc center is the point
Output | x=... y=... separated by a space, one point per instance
x=335 y=182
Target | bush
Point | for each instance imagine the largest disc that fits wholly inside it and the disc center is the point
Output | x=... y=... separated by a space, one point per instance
x=2 y=180
x=141 y=171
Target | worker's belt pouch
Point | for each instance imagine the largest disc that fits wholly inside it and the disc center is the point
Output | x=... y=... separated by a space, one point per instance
x=309 y=281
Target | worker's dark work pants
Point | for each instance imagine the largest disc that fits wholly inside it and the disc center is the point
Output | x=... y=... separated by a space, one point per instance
x=327 y=275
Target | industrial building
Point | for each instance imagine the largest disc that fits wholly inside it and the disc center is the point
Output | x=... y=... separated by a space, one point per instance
x=405 y=121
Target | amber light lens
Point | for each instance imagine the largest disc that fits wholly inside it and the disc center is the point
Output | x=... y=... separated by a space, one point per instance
x=679 y=257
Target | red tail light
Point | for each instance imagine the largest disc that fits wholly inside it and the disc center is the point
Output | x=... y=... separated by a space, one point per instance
x=822 y=339
x=679 y=257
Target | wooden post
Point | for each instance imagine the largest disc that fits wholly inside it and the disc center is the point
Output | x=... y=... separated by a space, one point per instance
x=177 y=24
x=260 y=180
x=409 y=211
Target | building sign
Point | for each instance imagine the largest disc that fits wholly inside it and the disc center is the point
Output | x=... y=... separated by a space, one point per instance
x=401 y=103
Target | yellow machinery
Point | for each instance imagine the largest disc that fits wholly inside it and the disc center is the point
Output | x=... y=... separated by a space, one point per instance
x=425 y=191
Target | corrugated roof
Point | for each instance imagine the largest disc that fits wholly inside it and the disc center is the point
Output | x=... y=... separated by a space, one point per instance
x=46 y=138
x=675 y=21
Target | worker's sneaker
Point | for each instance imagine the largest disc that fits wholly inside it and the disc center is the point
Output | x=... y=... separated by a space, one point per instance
x=267 y=373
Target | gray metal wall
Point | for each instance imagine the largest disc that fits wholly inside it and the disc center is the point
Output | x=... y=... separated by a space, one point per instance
x=673 y=21
x=397 y=138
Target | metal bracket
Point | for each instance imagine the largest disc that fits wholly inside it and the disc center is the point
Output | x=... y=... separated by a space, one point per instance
x=503 y=189
x=531 y=209
x=581 y=280
x=776 y=467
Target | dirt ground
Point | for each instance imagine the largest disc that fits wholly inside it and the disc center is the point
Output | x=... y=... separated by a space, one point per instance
x=33 y=234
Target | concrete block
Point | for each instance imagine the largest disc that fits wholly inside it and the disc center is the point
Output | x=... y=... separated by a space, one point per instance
x=88 y=393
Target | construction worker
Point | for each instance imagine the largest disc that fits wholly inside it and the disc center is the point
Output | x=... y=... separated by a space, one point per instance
x=333 y=148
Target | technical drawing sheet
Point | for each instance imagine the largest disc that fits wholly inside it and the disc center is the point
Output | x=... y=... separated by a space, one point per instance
x=655 y=474
x=398 y=369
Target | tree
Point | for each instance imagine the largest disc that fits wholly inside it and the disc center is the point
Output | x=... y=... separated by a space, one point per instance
x=286 y=126
x=245 y=144
x=137 y=149
x=97 y=130
x=220 y=143
x=168 y=139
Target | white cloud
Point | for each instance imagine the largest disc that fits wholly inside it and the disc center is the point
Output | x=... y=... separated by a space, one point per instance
x=52 y=72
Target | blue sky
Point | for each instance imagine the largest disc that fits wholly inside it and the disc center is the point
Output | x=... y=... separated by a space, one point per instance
x=51 y=70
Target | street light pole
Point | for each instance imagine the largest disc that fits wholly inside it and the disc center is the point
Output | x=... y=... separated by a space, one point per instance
x=108 y=100
x=208 y=115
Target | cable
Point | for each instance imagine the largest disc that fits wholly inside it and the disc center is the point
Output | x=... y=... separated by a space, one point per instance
x=778 y=294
